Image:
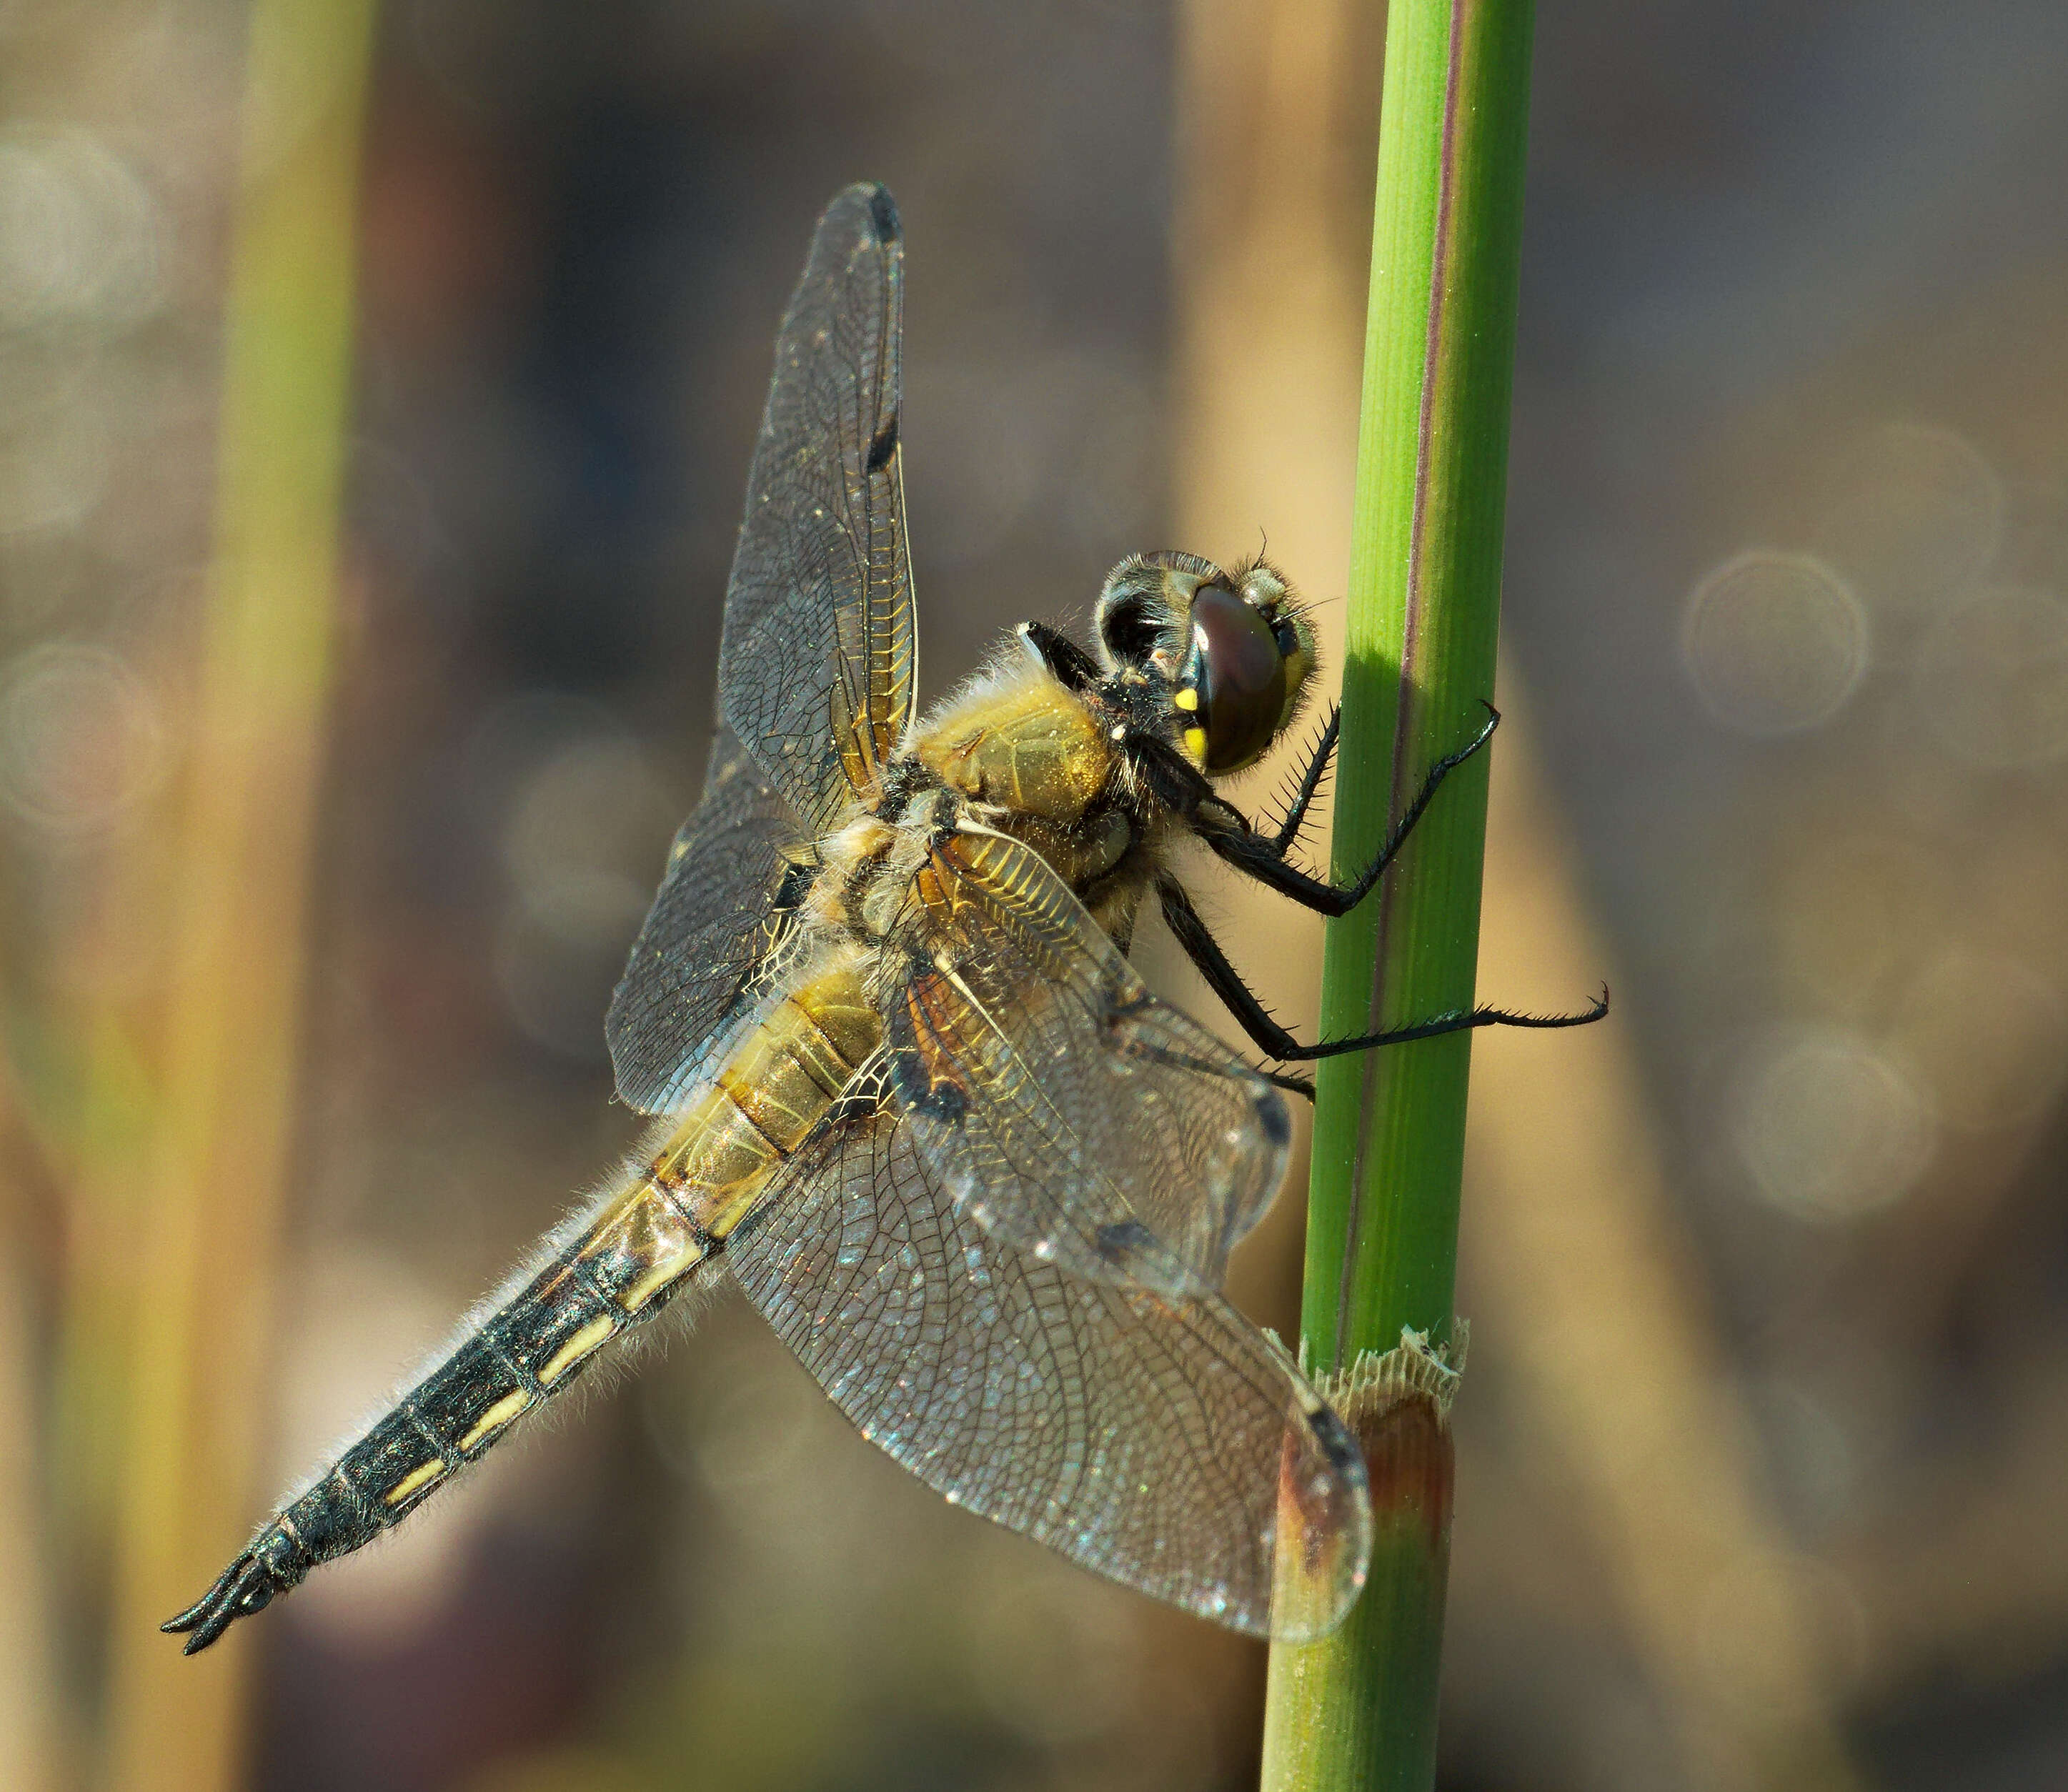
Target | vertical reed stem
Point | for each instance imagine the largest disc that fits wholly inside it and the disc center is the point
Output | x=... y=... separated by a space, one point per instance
x=1359 y=1708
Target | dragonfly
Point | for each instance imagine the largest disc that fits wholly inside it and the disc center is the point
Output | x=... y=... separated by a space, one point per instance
x=909 y=1092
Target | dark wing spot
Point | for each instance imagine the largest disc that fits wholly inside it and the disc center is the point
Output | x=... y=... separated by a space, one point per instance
x=883 y=213
x=1337 y=1444
x=944 y=1101
x=884 y=445
x=1124 y=1238
x=1119 y=1010
x=1276 y=1123
x=796 y=885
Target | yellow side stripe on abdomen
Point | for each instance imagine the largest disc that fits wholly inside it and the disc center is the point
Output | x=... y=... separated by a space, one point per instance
x=584 y=1343
x=496 y=1417
x=414 y=1481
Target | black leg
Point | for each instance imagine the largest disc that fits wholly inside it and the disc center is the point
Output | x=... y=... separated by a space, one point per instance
x=1068 y=663
x=1463 y=1020
x=1274 y=1041
x=1318 y=756
x=1221 y=977
x=1260 y=856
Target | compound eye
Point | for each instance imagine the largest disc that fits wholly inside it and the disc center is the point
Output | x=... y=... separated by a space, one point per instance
x=1239 y=674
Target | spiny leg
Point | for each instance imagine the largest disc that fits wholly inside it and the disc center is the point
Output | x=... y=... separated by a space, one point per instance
x=1274 y=1041
x=1260 y=857
x=1308 y=783
x=1187 y=791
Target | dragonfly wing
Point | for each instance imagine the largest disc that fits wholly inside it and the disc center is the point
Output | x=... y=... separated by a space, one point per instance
x=711 y=952
x=1165 y=1444
x=1061 y=1103
x=815 y=669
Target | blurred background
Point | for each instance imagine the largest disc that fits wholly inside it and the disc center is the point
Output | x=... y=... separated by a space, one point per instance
x=376 y=398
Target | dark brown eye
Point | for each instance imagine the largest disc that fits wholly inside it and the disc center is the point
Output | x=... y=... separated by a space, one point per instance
x=1238 y=673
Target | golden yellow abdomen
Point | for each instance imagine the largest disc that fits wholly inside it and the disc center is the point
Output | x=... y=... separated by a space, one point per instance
x=717 y=1161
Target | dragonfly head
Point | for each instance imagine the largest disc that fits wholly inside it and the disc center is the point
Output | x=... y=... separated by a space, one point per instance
x=1232 y=651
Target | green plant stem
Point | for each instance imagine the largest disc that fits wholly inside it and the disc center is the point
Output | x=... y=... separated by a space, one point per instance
x=1358 y=1708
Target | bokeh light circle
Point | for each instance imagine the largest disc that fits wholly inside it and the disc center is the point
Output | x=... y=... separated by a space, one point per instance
x=81 y=739
x=1988 y=1035
x=80 y=236
x=1774 y=643
x=1916 y=517
x=1993 y=679
x=56 y=436
x=1825 y=1125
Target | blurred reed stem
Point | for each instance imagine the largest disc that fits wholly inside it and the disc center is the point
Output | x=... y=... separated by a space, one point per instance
x=1359 y=1707
x=31 y=1727
x=217 y=1162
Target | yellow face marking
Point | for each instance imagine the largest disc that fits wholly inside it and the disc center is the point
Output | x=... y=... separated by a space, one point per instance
x=414 y=1481
x=496 y=1417
x=1187 y=699
x=1195 y=743
x=579 y=1346
x=658 y=1277
x=1298 y=664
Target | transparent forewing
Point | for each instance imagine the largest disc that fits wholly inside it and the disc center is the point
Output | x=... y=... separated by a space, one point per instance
x=713 y=948
x=1062 y=1104
x=815 y=669
x=1166 y=1445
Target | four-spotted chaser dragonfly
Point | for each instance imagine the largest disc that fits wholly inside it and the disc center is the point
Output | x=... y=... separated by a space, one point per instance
x=912 y=1095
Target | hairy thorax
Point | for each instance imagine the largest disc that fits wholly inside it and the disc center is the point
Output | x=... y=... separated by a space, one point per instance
x=1035 y=760
x=1018 y=743
x=1016 y=752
